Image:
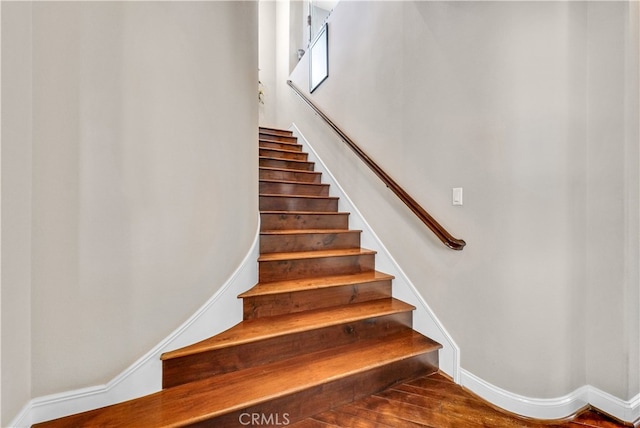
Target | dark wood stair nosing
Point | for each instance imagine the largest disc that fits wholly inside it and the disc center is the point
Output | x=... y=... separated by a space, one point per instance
x=304 y=183
x=302 y=212
x=288 y=232
x=286 y=195
x=314 y=254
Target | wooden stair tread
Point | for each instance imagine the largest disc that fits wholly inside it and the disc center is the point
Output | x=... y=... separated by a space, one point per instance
x=301 y=255
x=280 y=325
x=286 y=232
x=293 y=285
x=271 y=140
x=273 y=168
x=303 y=218
x=271 y=128
x=280 y=195
x=304 y=183
x=303 y=212
x=198 y=401
x=274 y=131
x=287 y=160
x=281 y=150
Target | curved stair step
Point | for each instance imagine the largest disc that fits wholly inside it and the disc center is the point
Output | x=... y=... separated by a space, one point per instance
x=266 y=340
x=277 y=136
x=274 y=144
x=277 y=326
x=306 y=284
x=308 y=240
x=291 y=296
x=306 y=264
x=274 y=131
x=282 y=153
x=264 y=161
x=283 y=220
x=277 y=202
x=297 y=387
x=292 y=187
x=297 y=175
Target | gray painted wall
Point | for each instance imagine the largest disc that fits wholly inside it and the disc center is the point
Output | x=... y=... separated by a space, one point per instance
x=129 y=176
x=532 y=108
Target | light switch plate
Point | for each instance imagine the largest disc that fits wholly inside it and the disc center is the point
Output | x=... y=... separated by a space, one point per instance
x=457 y=196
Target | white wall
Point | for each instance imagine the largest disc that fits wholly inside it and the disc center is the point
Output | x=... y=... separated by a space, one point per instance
x=612 y=234
x=282 y=33
x=137 y=184
x=525 y=106
x=16 y=204
x=267 y=61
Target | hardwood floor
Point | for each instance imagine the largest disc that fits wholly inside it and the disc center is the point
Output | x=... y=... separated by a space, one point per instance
x=435 y=401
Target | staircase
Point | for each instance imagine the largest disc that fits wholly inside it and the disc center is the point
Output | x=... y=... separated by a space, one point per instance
x=320 y=328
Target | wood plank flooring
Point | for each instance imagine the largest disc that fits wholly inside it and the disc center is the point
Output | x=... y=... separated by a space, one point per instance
x=435 y=401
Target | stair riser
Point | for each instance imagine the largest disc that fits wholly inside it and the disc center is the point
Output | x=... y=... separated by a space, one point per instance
x=286 y=164
x=308 y=242
x=284 y=138
x=283 y=154
x=272 y=188
x=285 y=303
x=307 y=268
x=309 y=402
x=268 y=144
x=272 y=131
x=278 y=174
x=276 y=203
x=279 y=221
x=200 y=366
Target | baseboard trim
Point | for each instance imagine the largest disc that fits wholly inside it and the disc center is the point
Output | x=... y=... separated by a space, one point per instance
x=539 y=408
x=553 y=408
x=144 y=376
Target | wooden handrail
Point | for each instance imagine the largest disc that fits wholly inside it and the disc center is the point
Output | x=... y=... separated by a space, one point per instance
x=442 y=234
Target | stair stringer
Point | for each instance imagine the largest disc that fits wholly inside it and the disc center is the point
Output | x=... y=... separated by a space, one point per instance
x=220 y=312
x=424 y=319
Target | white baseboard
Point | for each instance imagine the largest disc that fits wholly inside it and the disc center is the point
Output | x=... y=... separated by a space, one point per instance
x=553 y=408
x=550 y=408
x=220 y=312
x=627 y=411
x=424 y=319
